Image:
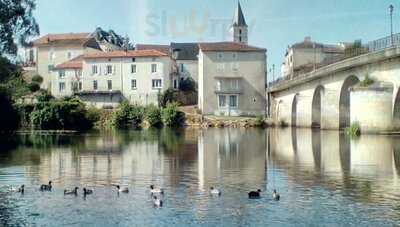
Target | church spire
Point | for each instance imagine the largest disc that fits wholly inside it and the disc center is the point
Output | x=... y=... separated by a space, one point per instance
x=239 y=26
x=239 y=20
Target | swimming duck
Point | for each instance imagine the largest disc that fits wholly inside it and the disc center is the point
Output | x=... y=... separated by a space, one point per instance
x=46 y=187
x=157 y=202
x=20 y=189
x=71 y=191
x=275 y=195
x=254 y=194
x=123 y=189
x=154 y=190
x=87 y=191
x=215 y=191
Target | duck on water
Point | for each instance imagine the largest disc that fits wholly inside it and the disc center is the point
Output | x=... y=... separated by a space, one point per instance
x=46 y=187
x=254 y=194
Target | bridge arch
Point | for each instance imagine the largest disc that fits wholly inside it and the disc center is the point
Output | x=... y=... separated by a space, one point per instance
x=344 y=101
x=294 y=110
x=316 y=107
x=396 y=107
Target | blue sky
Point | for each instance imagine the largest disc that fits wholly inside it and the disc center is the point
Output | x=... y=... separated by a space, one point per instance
x=274 y=24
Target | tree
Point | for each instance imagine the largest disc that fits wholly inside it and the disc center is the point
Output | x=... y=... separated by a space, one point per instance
x=17 y=24
x=9 y=116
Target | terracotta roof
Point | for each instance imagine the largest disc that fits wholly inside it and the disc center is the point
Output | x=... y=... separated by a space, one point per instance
x=229 y=46
x=158 y=47
x=61 y=37
x=75 y=63
x=126 y=54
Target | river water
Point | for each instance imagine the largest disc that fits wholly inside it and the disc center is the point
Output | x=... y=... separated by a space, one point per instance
x=324 y=178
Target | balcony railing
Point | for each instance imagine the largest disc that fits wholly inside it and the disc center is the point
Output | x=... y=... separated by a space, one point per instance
x=228 y=90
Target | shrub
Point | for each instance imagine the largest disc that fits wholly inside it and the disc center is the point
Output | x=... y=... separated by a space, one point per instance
x=167 y=96
x=354 y=130
x=34 y=86
x=44 y=96
x=366 y=82
x=282 y=123
x=9 y=116
x=127 y=115
x=171 y=116
x=153 y=116
x=259 y=122
x=93 y=114
x=187 y=84
x=54 y=115
x=37 y=79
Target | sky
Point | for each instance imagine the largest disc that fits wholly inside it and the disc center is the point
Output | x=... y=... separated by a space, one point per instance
x=273 y=24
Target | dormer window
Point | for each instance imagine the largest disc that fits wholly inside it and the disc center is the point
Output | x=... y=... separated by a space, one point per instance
x=133 y=59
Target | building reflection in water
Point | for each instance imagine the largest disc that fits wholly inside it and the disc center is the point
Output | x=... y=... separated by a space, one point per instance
x=232 y=156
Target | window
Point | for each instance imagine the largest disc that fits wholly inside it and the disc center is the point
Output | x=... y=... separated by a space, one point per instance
x=221 y=67
x=50 y=68
x=221 y=100
x=156 y=83
x=153 y=68
x=80 y=86
x=133 y=84
x=234 y=56
x=220 y=55
x=95 y=85
x=61 y=74
x=61 y=86
x=133 y=68
x=182 y=67
x=78 y=73
x=235 y=84
x=109 y=69
x=52 y=55
x=94 y=69
x=133 y=59
x=219 y=83
x=69 y=55
x=232 y=101
x=175 y=84
x=235 y=66
x=109 y=84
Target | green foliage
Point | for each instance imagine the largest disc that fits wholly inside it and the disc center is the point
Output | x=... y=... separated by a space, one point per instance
x=44 y=96
x=259 y=121
x=153 y=116
x=17 y=24
x=11 y=79
x=93 y=114
x=37 y=79
x=9 y=116
x=354 y=130
x=34 y=86
x=55 y=115
x=171 y=116
x=187 y=84
x=127 y=116
x=167 y=96
x=282 y=123
x=24 y=111
x=366 y=82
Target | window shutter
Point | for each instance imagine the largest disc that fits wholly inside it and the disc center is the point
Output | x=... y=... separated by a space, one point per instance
x=114 y=69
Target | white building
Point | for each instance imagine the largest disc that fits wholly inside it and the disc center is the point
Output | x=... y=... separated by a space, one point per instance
x=109 y=77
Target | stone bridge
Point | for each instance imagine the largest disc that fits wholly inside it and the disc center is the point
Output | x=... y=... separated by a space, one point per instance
x=332 y=97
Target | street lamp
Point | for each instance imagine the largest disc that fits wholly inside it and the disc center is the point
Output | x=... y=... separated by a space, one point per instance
x=391 y=7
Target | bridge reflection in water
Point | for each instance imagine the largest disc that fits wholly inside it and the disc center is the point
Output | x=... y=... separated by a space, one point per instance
x=332 y=160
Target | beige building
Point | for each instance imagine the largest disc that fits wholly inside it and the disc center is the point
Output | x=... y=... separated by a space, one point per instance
x=306 y=55
x=231 y=79
x=67 y=78
x=54 y=49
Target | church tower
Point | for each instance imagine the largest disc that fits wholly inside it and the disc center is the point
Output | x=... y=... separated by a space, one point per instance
x=239 y=26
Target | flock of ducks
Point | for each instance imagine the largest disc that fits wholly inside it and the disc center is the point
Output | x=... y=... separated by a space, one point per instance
x=155 y=192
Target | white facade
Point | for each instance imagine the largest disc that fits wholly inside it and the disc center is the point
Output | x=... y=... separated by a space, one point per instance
x=138 y=79
x=66 y=82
